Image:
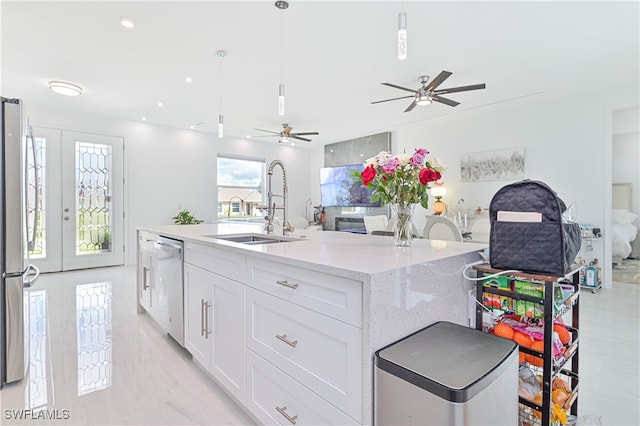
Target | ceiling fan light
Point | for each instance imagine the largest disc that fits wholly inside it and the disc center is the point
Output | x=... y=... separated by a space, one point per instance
x=424 y=100
x=64 y=88
x=284 y=139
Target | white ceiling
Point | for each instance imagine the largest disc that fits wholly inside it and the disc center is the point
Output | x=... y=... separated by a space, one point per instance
x=336 y=56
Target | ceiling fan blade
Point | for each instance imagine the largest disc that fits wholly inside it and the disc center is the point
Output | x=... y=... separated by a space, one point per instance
x=412 y=106
x=269 y=131
x=399 y=87
x=299 y=138
x=265 y=136
x=460 y=89
x=444 y=101
x=438 y=80
x=394 y=99
x=304 y=133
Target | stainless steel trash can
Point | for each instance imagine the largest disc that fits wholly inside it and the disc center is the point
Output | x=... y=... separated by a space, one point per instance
x=447 y=374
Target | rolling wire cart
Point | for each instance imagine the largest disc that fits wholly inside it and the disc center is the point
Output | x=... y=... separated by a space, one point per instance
x=564 y=366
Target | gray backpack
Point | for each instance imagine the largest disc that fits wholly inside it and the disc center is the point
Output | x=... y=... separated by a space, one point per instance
x=547 y=247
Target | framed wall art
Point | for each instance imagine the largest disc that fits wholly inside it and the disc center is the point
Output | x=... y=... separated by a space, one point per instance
x=503 y=164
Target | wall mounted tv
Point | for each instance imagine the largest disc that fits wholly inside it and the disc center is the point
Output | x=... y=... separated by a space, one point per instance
x=338 y=188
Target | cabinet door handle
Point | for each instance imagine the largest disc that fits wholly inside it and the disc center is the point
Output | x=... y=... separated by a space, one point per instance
x=145 y=278
x=283 y=411
x=286 y=284
x=287 y=341
x=202 y=326
x=207 y=332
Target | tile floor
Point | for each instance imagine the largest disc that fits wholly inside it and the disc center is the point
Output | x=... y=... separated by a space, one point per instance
x=96 y=362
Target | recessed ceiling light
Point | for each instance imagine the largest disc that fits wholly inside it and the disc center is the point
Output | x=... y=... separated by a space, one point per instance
x=248 y=136
x=192 y=127
x=160 y=104
x=144 y=119
x=64 y=88
x=330 y=150
x=188 y=79
x=127 y=22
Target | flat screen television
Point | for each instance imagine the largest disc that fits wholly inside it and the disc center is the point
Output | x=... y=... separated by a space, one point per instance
x=338 y=188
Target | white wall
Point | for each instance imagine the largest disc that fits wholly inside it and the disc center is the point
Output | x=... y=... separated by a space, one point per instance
x=567 y=145
x=166 y=167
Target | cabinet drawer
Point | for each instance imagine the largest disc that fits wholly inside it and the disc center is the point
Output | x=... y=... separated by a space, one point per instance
x=320 y=352
x=222 y=262
x=273 y=396
x=337 y=297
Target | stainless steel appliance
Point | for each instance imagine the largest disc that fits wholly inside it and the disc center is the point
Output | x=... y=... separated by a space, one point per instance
x=161 y=293
x=16 y=273
x=170 y=278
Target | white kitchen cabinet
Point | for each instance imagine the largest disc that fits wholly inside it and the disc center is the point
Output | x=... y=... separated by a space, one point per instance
x=276 y=398
x=229 y=335
x=214 y=325
x=146 y=271
x=336 y=297
x=321 y=352
x=198 y=318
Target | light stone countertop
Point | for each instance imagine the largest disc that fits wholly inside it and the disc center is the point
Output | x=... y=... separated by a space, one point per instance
x=341 y=251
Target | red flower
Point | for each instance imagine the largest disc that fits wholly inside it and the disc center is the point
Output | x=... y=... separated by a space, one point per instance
x=429 y=175
x=368 y=175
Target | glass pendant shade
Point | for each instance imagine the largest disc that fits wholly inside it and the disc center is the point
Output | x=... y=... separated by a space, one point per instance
x=402 y=36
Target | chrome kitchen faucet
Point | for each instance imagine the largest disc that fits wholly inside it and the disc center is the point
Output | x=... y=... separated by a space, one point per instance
x=286 y=227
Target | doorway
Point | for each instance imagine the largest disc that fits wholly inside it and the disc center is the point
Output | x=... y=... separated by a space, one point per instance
x=76 y=204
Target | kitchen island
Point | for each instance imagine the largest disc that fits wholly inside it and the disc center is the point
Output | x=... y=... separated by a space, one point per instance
x=289 y=329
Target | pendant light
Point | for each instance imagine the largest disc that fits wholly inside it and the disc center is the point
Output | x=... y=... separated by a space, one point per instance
x=221 y=54
x=282 y=5
x=402 y=34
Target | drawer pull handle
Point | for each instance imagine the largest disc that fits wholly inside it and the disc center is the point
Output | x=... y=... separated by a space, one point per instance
x=287 y=341
x=288 y=417
x=286 y=284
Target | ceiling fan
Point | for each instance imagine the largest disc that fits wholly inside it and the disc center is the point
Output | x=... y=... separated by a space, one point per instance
x=286 y=134
x=428 y=93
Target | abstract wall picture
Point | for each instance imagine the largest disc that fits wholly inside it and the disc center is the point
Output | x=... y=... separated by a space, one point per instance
x=503 y=164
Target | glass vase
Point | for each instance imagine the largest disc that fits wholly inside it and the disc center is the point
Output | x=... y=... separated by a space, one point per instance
x=403 y=226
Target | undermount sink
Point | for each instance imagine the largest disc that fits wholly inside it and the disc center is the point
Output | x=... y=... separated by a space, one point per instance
x=253 y=239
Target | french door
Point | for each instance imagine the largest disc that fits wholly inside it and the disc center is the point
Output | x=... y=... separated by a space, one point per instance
x=79 y=193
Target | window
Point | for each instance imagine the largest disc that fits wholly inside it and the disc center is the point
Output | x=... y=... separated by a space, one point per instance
x=240 y=184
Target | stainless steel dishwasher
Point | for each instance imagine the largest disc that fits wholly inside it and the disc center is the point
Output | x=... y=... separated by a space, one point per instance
x=168 y=293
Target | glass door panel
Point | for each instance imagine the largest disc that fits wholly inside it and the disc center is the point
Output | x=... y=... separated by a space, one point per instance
x=92 y=202
x=46 y=250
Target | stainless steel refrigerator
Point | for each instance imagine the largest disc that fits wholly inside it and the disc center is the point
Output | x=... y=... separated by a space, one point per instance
x=17 y=274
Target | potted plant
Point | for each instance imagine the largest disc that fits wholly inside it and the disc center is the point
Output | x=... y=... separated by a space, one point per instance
x=184 y=217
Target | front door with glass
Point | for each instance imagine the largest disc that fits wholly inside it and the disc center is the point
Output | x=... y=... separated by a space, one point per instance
x=81 y=200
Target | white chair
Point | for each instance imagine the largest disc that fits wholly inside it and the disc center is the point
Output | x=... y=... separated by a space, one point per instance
x=441 y=228
x=481 y=226
x=375 y=223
